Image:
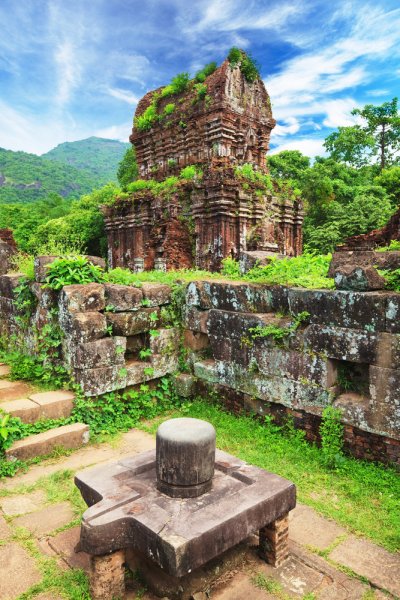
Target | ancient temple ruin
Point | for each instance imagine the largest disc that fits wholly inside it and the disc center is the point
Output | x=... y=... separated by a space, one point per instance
x=217 y=126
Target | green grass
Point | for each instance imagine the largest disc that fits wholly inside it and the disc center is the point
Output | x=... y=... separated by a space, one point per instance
x=363 y=497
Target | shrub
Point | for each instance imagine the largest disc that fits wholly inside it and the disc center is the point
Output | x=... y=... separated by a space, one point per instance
x=234 y=56
x=205 y=72
x=169 y=108
x=191 y=172
x=72 y=270
x=139 y=185
x=171 y=162
x=122 y=277
x=201 y=91
x=249 y=68
x=179 y=83
x=331 y=432
x=248 y=65
x=230 y=267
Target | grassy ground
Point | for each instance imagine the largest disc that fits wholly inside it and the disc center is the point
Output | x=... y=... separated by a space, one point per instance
x=364 y=497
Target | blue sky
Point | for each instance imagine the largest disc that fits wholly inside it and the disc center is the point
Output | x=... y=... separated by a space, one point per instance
x=70 y=69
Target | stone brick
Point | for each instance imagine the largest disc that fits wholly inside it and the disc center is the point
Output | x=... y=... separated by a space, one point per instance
x=82 y=298
x=18 y=571
x=86 y=326
x=22 y=504
x=156 y=293
x=392 y=313
x=384 y=387
x=195 y=340
x=26 y=410
x=362 y=279
x=132 y=323
x=340 y=343
x=288 y=392
x=224 y=324
x=185 y=385
x=8 y=283
x=135 y=372
x=293 y=365
x=233 y=296
x=100 y=353
x=376 y=564
x=122 y=297
x=163 y=364
x=54 y=405
x=101 y=380
x=206 y=370
x=388 y=351
x=165 y=342
x=107 y=576
x=65 y=545
x=195 y=319
x=13 y=390
x=47 y=519
x=68 y=436
x=340 y=308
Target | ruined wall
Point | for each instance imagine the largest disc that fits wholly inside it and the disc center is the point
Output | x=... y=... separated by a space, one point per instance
x=346 y=355
x=217 y=215
x=375 y=238
x=347 y=352
x=201 y=223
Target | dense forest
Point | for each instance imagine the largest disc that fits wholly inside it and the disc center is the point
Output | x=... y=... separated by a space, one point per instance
x=69 y=170
x=98 y=156
x=352 y=190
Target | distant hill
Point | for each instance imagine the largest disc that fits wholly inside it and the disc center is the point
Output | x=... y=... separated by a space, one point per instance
x=70 y=170
x=26 y=178
x=97 y=156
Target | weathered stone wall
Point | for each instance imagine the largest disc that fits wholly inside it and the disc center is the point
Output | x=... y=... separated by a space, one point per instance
x=356 y=333
x=103 y=330
x=352 y=332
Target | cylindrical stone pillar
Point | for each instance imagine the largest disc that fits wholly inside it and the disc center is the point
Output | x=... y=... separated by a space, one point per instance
x=185 y=457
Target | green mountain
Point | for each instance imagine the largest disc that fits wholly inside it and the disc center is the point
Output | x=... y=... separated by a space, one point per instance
x=26 y=178
x=97 y=156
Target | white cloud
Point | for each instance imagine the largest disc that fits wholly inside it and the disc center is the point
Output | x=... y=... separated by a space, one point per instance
x=309 y=147
x=289 y=127
x=116 y=132
x=36 y=134
x=123 y=95
x=68 y=70
x=233 y=15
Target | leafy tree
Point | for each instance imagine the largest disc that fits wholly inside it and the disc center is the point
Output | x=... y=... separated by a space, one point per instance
x=128 y=169
x=378 y=136
x=389 y=179
x=288 y=164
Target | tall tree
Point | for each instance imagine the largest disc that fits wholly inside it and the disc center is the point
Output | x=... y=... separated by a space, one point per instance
x=377 y=136
x=128 y=169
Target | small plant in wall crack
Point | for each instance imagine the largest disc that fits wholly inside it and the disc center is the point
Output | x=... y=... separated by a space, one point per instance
x=279 y=333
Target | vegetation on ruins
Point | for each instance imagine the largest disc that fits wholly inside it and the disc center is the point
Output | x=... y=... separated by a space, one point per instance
x=278 y=333
x=246 y=62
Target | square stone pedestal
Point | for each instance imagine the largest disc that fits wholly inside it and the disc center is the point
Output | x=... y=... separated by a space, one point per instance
x=180 y=535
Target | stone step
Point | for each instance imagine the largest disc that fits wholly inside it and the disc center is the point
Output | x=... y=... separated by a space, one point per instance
x=44 y=405
x=40 y=444
x=13 y=390
x=4 y=370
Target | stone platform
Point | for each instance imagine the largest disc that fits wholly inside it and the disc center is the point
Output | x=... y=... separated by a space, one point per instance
x=180 y=535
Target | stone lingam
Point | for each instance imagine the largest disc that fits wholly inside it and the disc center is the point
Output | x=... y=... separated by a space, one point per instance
x=171 y=511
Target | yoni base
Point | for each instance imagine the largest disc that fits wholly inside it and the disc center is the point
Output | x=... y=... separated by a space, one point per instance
x=107 y=579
